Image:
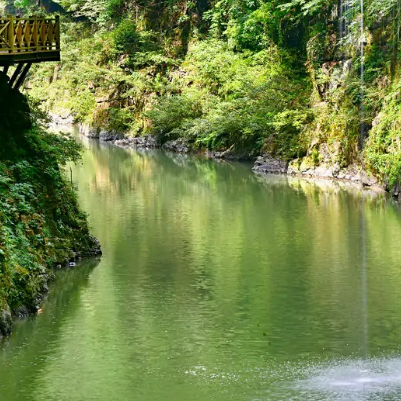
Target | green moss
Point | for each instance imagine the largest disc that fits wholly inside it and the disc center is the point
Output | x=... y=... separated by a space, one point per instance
x=40 y=222
x=266 y=76
x=307 y=163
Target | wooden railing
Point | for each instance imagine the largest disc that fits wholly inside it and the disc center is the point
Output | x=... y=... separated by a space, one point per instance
x=31 y=35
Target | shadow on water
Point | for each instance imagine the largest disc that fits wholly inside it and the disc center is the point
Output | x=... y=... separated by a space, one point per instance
x=30 y=346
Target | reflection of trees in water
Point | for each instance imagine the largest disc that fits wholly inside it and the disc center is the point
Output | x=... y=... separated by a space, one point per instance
x=230 y=244
x=204 y=266
x=36 y=336
x=364 y=285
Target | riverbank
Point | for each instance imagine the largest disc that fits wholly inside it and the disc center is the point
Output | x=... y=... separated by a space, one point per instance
x=298 y=101
x=41 y=224
x=354 y=175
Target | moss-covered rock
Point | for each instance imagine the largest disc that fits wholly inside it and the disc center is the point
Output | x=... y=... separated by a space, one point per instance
x=5 y=321
x=40 y=221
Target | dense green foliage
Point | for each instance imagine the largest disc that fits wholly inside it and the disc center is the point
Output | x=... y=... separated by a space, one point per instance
x=40 y=223
x=275 y=75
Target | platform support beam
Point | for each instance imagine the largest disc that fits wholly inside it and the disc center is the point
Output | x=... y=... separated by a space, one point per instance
x=16 y=74
x=23 y=75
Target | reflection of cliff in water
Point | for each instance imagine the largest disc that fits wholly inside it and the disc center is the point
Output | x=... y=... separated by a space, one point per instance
x=43 y=331
x=64 y=290
x=316 y=186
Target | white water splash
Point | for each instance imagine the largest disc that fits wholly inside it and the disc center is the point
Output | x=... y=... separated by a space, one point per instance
x=376 y=379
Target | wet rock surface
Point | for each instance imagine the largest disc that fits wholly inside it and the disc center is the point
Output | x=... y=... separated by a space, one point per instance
x=5 y=322
x=64 y=119
x=327 y=168
x=95 y=249
x=229 y=154
x=179 y=145
x=101 y=134
x=324 y=170
x=351 y=173
x=118 y=139
x=396 y=192
x=270 y=165
x=141 y=142
x=266 y=164
x=89 y=131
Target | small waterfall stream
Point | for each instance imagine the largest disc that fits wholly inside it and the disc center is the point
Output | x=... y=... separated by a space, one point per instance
x=362 y=106
x=343 y=17
x=344 y=22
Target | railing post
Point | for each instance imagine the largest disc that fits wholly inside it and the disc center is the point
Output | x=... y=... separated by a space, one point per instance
x=27 y=34
x=5 y=33
x=57 y=36
x=11 y=33
x=35 y=33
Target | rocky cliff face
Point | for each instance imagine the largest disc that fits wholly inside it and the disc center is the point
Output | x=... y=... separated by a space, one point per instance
x=40 y=222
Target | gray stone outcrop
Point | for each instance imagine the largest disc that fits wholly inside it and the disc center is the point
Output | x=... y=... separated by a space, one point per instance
x=270 y=165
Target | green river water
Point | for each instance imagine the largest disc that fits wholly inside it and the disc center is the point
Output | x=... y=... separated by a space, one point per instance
x=216 y=284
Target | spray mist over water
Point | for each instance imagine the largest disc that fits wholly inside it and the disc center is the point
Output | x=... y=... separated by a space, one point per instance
x=356 y=380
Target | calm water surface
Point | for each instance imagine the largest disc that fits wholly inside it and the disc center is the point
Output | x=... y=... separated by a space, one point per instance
x=216 y=285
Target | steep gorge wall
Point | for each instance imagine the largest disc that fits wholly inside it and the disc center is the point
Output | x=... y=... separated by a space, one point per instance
x=281 y=78
x=40 y=222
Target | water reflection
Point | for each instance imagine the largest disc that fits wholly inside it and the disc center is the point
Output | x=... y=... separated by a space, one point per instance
x=217 y=284
x=364 y=274
x=25 y=354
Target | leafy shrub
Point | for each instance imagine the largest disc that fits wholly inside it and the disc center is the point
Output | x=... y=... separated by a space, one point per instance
x=383 y=147
x=126 y=37
x=233 y=99
x=171 y=113
x=39 y=217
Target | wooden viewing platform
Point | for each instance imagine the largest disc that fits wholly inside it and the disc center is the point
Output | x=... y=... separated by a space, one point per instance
x=24 y=41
